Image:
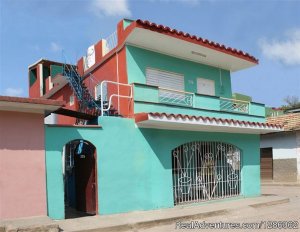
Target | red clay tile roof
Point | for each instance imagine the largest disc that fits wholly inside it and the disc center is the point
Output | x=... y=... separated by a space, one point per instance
x=199 y=40
x=144 y=116
x=290 y=121
x=32 y=100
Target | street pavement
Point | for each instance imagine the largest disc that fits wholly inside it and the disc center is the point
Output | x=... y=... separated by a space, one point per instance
x=267 y=218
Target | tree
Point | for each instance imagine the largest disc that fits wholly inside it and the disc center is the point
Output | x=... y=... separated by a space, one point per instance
x=291 y=102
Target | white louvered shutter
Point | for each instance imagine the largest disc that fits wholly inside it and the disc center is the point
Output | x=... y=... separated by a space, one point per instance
x=164 y=79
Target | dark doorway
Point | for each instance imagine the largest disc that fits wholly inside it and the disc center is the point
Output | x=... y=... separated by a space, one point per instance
x=80 y=183
x=266 y=164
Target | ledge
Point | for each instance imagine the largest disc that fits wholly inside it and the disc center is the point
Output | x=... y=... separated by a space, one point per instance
x=76 y=126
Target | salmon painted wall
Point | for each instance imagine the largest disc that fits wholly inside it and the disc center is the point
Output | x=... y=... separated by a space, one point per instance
x=34 y=89
x=108 y=71
x=22 y=165
x=64 y=94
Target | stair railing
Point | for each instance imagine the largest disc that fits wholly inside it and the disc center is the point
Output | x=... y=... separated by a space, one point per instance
x=83 y=94
x=102 y=110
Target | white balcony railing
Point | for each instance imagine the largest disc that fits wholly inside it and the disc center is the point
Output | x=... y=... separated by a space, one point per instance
x=233 y=105
x=111 y=42
x=175 y=97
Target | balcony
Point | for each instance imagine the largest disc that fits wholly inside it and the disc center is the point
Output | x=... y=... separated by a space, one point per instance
x=149 y=98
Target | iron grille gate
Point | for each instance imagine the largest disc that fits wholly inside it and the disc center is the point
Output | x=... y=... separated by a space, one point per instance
x=205 y=171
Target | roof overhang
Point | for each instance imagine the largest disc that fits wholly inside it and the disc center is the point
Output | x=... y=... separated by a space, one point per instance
x=187 y=49
x=44 y=61
x=29 y=105
x=198 y=123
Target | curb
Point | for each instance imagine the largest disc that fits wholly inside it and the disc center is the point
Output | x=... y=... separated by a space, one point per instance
x=134 y=226
x=158 y=222
x=277 y=202
x=296 y=184
x=33 y=228
x=167 y=221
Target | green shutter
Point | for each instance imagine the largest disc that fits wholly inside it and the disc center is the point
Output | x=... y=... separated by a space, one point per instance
x=55 y=69
x=32 y=76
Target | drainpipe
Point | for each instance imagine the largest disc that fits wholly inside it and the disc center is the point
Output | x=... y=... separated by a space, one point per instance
x=118 y=86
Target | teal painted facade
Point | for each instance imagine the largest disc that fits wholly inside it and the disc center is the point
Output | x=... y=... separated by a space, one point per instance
x=146 y=100
x=147 y=97
x=139 y=59
x=134 y=166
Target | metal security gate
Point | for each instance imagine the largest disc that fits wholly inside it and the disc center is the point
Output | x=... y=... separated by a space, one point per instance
x=204 y=171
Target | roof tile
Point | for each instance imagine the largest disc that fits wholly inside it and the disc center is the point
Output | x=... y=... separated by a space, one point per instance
x=290 y=121
x=210 y=119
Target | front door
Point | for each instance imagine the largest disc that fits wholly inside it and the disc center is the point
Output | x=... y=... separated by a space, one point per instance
x=266 y=164
x=85 y=176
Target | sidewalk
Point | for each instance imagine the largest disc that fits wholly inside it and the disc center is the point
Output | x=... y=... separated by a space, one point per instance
x=144 y=219
x=273 y=183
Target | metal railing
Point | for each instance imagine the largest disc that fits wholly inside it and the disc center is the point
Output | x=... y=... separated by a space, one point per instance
x=233 y=105
x=175 y=97
x=205 y=170
x=111 y=42
x=102 y=85
x=82 y=93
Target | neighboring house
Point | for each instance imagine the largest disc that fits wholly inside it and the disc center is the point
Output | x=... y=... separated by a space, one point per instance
x=150 y=122
x=280 y=152
x=22 y=156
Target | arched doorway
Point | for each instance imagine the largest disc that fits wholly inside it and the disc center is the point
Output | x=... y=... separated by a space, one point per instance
x=80 y=183
x=204 y=171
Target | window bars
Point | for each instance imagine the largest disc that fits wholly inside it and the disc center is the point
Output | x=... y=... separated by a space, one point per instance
x=204 y=171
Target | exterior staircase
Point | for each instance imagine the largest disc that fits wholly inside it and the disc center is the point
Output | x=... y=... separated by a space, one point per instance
x=87 y=103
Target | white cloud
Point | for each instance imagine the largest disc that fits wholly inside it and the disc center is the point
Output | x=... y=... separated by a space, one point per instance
x=55 y=47
x=13 y=91
x=286 y=51
x=110 y=8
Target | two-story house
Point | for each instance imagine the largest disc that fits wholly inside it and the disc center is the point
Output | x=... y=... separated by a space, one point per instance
x=156 y=125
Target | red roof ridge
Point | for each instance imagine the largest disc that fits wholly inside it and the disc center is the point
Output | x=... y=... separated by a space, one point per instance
x=212 y=44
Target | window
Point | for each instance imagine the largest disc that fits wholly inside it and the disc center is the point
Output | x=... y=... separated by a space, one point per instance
x=171 y=87
x=165 y=79
x=32 y=76
x=205 y=86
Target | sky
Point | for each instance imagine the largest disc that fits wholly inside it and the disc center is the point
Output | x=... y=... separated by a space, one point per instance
x=268 y=30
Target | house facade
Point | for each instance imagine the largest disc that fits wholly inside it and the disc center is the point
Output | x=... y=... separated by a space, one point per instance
x=150 y=122
x=280 y=152
x=22 y=156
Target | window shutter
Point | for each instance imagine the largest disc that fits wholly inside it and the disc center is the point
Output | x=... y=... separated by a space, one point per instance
x=164 y=79
x=205 y=86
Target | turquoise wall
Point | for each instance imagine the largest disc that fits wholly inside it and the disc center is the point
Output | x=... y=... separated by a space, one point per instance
x=147 y=99
x=139 y=59
x=134 y=165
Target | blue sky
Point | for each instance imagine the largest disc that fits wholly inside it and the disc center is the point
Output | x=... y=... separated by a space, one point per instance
x=269 y=30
